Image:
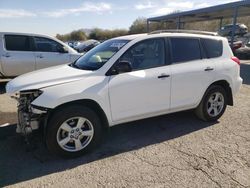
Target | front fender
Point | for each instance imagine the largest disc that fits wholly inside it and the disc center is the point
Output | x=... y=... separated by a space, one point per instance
x=89 y=88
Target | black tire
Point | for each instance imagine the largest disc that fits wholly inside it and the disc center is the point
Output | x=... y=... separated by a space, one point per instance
x=62 y=115
x=202 y=110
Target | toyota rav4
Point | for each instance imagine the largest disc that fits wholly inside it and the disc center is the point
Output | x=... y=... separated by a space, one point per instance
x=125 y=79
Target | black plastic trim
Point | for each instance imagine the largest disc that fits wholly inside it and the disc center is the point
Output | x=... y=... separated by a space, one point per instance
x=41 y=108
x=1 y=75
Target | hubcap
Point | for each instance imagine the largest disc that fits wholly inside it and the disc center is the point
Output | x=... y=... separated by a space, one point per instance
x=75 y=134
x=215 y=104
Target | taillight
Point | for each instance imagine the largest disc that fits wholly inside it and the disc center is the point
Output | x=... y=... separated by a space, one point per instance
x=236 y=60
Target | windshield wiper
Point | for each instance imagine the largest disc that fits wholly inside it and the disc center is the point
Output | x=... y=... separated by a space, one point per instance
x=74 y=65
x=83 y=67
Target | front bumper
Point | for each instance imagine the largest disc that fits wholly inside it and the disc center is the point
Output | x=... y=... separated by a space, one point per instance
x=30 y=121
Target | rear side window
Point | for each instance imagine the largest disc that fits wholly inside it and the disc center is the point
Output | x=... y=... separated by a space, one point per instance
x=213 y=48
x=47 y=45
x=185 y=49
x=17 y=43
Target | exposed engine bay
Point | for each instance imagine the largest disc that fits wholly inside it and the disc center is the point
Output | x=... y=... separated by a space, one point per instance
x=29 y=118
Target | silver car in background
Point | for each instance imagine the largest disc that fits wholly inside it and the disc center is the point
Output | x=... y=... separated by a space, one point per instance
x=227 y=30
x=22 y=53
x=87 y=45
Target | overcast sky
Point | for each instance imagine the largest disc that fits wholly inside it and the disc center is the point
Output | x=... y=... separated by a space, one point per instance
x=62 y=16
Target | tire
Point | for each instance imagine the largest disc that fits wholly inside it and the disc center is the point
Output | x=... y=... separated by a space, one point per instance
x=73 y=131
x=204 y=112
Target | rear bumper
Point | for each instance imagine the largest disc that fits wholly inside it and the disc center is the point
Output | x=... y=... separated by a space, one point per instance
x=237 y=85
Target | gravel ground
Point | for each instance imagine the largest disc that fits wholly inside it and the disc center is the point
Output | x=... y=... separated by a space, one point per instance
x=175 y=150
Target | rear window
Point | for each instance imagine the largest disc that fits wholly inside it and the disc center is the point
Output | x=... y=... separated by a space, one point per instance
x=185 y=49
x=213 y=48
x=17 y=43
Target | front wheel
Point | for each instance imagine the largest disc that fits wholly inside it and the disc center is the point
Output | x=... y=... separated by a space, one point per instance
x=72 y=131
x=213 y=104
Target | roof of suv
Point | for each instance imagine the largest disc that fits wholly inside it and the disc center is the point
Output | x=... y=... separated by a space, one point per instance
x=168 y=34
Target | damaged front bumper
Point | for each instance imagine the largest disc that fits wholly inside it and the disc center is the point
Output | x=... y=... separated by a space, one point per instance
x=30 y=121
x=30 y=117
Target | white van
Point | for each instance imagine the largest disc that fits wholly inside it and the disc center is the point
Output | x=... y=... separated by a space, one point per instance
x=21 y=53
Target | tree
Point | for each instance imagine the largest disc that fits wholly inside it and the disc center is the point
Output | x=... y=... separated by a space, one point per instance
x=101 y=34
x=77 y=35
x=138 y=26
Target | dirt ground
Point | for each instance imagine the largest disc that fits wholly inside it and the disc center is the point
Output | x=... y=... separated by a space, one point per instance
x=175 y=150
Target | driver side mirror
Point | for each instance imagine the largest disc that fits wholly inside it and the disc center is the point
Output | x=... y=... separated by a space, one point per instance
x=121 y=67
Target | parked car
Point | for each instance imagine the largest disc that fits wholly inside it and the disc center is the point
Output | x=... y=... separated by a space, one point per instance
x=244 y=51
x=70 y=43
x=236 y=45
x=241 y=29
x=73 y=44
x=21 y=53
x=87 y=45
x=125 y=79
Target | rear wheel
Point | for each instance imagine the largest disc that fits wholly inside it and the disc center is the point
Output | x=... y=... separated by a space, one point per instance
x=73 y=131
x=213 y=104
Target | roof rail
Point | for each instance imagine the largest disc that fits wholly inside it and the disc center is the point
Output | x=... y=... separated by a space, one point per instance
x=185 y=31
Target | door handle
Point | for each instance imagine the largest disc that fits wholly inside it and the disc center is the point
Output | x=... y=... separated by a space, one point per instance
x=163 y=76
x=39 y=56
x=6 y=55
x=208 y=69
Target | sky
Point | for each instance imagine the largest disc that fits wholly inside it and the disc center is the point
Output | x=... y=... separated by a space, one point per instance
x=63 y=16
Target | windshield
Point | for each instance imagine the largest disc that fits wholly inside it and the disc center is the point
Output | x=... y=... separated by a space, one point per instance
x=98 y=56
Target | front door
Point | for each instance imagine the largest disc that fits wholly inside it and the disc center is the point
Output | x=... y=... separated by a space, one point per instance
x=48 y=53
x=146 y=90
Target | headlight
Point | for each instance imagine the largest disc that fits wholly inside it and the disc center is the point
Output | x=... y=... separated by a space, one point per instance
x=30 y=95
x=35 y=92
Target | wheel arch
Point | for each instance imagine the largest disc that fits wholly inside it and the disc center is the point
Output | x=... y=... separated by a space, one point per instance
x=225 y=84
x=93 y=105
x=1 y=74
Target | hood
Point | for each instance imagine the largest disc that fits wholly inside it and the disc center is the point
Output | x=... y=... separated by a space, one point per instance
x=45 y=78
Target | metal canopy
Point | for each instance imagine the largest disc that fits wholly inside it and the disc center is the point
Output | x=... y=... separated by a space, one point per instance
x=209 y=13
x=229 y=10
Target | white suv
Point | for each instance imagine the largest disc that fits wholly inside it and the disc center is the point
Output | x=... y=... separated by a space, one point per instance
x=21 y=53
x=126 y=79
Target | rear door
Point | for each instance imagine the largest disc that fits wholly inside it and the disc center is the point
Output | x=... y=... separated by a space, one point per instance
x=191 y=72
x=49 y=53
x=17 y=57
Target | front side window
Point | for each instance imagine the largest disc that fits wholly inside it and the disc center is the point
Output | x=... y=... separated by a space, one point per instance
x=185 y=49
x=17 y=43
x=98 y=56
x=47 y=45
x=146 y=54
